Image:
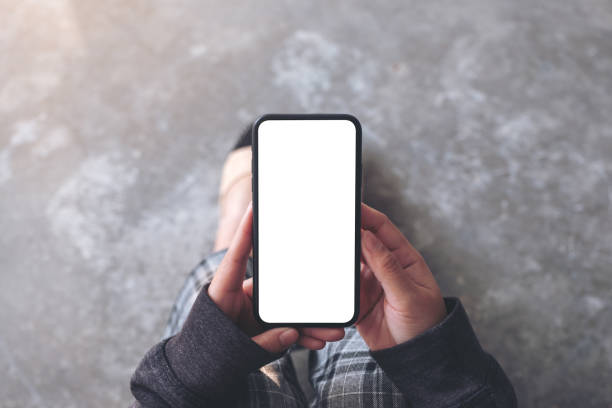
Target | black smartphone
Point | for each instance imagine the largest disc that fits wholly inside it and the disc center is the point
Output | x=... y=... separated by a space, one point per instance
x=306 y=219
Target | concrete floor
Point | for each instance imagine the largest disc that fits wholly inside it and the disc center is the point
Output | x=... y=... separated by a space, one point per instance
x=488 y=139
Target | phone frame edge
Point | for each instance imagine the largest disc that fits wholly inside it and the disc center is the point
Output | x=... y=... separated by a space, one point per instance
x=254 y=184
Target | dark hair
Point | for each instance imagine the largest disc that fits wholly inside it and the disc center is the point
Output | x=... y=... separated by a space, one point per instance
x=244 y=139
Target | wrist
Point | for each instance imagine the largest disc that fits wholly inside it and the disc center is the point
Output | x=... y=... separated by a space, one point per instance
x=428 y=315
x=211 y=351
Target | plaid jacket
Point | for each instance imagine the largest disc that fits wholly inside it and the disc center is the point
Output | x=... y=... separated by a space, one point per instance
x=206 y=361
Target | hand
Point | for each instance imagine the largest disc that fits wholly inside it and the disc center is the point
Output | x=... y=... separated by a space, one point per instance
x=399 y=296
x=234 y=296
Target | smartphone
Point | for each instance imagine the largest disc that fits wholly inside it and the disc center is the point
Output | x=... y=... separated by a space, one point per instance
x=306 y=219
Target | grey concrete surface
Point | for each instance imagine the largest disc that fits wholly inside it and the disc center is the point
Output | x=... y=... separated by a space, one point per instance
x=488 y=139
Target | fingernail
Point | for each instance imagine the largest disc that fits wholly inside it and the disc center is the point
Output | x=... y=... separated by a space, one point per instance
x=372 y=243
x=287 y=337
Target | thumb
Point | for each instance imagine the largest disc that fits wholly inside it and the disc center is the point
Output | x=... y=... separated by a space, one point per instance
x=277 y=340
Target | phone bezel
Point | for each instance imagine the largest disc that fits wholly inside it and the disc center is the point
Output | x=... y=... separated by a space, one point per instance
x=254 y=185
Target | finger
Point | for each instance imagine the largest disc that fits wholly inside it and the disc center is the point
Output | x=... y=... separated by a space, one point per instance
x=277 y=340
x=247 y=320
x=385 y=266
x=378 y=223
x=247 y=288
x=311 y=343
x=370 y=292
x=325 y=334
x=230 y=274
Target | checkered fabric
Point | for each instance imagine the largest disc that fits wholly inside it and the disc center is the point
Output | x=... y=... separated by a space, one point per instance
x=343 y=374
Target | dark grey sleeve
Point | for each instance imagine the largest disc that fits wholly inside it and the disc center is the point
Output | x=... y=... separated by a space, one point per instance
x=446 y=366
x=205 y=364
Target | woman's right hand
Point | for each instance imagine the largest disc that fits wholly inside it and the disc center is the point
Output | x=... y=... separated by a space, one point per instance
x=399 y=296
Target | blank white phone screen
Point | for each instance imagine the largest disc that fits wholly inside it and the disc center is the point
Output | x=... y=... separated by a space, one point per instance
x=306 y=220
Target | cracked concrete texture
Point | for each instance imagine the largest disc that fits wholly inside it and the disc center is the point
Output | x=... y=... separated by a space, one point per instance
x=488 y=139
